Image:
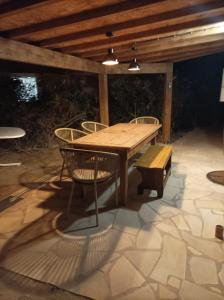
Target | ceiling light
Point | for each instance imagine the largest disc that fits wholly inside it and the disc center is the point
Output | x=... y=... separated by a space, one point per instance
x=134 y=66
x=110 y=59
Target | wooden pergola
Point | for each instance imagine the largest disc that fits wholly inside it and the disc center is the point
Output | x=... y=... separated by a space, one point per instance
x=71 y=34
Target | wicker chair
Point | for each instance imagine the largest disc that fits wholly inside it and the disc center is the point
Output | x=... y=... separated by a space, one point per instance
x=90 y=126
x=64 y=136
x=90 y=167
x=145 y=120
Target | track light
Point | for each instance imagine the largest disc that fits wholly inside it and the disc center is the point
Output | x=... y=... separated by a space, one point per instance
x=134 y=66
x=110 y=59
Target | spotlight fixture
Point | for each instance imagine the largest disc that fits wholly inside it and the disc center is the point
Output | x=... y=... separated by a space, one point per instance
x=134 y=66
x=110 y=59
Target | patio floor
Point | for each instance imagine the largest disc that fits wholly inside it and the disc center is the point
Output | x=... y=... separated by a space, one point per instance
x=152 y=249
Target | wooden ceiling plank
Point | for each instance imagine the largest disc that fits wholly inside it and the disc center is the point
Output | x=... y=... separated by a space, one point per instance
x=16 y=6
x=79 y=17
x=138 y=37
x=159 y=54
x=197 y=55
x=179 y=13
x=166 y=44
x=189 y=55
x=24 y=53
x=169 y=30
x=173 y=56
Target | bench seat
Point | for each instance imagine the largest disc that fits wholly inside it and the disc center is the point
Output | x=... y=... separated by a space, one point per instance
x=155 y=167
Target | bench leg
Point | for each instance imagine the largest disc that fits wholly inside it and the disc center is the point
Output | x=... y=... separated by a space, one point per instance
x=140 y=190
x=160 y=193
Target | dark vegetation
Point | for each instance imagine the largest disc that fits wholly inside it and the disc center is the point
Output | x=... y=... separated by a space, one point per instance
x=66 y=100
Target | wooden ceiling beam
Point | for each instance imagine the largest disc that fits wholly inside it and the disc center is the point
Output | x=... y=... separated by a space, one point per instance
x=16 y=6
x=165 y=45
x=79 y=17
x=157 y=56
x=25 y=53
x=179 y=13
x=194 y=33
x=131 y=38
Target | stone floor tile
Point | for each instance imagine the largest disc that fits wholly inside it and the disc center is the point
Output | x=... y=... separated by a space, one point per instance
x=192 y=193
x=189 y=291
x=123 y=277
x=210 y=220
x=168 y=227
x=216 y=290
x=170 y=264
x=170 y=192
x=194 y=251
x=165 y=293
x=148 y=214
x=212 y=204
x=180 y=222
x=164 y=209
x=127 y=221
x=209 y=248
x=144 y=293
x=187 y=206
x=154 y=286
x=176 y=181
x=174 y=282
x=33 y=213
x=94 y=287
x=124 y=241
x=195 y=224
x=217 y=212
x=203 y=270
x=11 y=222
x=143 y=260
x=221 y=274
x=149 y=237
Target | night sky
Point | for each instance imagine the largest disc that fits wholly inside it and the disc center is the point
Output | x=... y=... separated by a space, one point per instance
x=204 y=76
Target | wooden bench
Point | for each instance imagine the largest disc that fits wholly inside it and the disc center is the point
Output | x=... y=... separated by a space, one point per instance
x=155 y=167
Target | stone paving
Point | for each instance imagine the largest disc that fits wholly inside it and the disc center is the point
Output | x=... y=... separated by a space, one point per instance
x=152 y=249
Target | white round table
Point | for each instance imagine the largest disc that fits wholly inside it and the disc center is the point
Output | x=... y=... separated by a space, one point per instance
x=11 y=133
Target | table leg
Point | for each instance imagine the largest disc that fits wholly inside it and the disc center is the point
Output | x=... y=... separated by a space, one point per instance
x=123 y=179
x=153 y=141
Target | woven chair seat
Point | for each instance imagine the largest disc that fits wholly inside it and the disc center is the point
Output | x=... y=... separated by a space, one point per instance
x=87 y=175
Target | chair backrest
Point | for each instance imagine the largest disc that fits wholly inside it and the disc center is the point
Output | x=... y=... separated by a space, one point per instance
x=145 y=120
x=66 y=135
x=87 y=165
x=90 y=126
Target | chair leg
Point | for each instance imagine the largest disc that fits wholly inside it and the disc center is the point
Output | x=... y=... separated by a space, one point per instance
x=116 y=190
x=62 y=169
x=96 y=206
x=70 y=199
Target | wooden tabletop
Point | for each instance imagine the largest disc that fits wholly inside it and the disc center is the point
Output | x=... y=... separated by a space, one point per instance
x=11 y=132
x=122 y=136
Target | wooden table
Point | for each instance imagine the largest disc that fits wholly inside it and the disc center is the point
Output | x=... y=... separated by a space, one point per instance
x=11 y=133
x=126 y=140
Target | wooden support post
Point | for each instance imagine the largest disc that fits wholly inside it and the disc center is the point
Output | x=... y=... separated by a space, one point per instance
x=103 y=99
x=167 y=106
